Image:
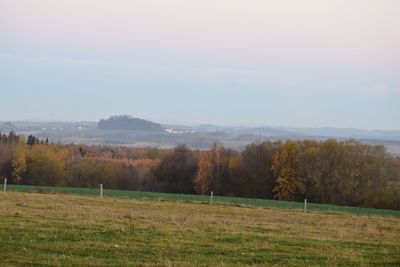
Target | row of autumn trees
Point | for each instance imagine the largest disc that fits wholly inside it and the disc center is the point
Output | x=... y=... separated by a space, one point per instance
x=342 y=173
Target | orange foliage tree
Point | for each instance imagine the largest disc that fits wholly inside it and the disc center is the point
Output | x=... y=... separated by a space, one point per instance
x=204 y=178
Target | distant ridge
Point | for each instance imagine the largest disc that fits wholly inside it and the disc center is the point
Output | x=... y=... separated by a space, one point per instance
x=129 y=123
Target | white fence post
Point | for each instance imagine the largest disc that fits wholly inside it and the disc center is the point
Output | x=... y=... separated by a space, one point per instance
x=211 y=197
x=101 y=190
x=305 y=205
x=5 y=184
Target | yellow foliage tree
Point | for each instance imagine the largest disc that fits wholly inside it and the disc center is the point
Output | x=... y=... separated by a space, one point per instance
x=289 y=186
x=44 y=167
x=19 y=162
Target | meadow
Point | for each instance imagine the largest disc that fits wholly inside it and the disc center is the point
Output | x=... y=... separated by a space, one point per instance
x=204 y=199
x=73 y=230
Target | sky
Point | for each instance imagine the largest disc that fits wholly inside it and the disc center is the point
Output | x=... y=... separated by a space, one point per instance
x=300 y=63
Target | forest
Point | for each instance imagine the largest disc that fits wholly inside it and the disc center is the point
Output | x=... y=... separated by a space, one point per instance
x=330 y=172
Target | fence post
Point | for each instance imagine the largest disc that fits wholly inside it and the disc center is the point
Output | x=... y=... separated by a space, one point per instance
x=305 y=205
x=211 y=197
x=101 y=190
x=5 y=185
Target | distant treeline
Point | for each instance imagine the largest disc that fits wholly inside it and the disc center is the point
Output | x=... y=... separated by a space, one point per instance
x=331 y=172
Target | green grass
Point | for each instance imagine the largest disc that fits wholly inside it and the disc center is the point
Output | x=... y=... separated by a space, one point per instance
x=200 y=198
x=72 y=230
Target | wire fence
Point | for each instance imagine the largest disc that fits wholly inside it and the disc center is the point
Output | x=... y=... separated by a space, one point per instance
x=266 y=203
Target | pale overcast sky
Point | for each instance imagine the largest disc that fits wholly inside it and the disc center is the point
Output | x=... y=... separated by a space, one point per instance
x=283 y=62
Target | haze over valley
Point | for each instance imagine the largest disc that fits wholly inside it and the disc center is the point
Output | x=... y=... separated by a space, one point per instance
x=197 y=136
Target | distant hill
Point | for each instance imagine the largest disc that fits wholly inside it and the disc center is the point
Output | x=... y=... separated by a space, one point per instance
x=125 y=122
x=349 y=133
x=7 y=127
x=269 y=132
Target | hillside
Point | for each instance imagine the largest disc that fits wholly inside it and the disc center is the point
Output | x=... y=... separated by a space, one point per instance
x=125 y=122
x=65 y=230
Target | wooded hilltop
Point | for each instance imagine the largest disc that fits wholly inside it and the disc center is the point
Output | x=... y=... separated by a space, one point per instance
x=330 y=172
x=126 y=122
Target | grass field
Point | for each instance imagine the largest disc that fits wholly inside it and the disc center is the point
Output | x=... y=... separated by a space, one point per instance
x=72 y=230
x=199 y=198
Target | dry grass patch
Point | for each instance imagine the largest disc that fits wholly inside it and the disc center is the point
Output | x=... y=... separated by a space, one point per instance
x=65 y=230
